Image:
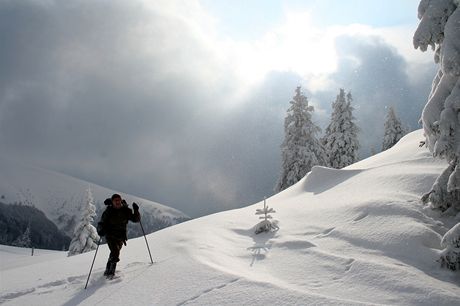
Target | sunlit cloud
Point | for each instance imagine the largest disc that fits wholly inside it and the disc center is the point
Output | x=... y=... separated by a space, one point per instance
x=153 y=91
x=299 y=46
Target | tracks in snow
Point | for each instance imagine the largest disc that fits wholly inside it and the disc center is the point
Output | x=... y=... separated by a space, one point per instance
x=212 y=289
x=45 y=288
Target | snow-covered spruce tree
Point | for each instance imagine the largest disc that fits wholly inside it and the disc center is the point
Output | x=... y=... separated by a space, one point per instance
x=25 y=240
x=394 y=130
x=341 y=139
x=85 y=235
x=450 y=256
x=439 y=28
x=267 y=224
x=301 y=149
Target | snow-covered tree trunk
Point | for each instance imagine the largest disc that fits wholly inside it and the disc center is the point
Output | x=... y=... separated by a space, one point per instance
x=301 y=149
x=85 y=234
x=440 y=28
x=341 y=139
x=394 y=129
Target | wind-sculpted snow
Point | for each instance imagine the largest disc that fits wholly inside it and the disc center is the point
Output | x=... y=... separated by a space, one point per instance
x=321 y=179
x=362 y=238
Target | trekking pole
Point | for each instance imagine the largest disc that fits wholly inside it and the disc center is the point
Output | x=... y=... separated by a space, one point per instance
x=99 y=242
x=150 y=254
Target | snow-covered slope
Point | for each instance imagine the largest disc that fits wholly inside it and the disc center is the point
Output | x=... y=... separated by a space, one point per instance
x=61 y=197
x=347 y=237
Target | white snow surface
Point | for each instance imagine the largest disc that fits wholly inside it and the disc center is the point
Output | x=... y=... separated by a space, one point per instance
x=354 y=236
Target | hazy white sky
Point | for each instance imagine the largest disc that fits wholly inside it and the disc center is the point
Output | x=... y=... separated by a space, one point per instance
x=152 y=97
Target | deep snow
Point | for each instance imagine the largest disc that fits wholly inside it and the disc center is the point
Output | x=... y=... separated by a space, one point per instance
x=347 y=237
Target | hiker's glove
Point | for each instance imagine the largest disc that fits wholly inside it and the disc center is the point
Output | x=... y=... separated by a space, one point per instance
x=100 y=230
x=135 y=206
x=124 y=202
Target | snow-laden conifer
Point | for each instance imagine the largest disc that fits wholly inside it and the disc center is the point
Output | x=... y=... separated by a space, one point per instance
x=450 y=256
x=341 y=139
x=25 y=240
x=267 y=224
x=301 y=149
x=394 y=129
x=439 y=28
x=85 y=234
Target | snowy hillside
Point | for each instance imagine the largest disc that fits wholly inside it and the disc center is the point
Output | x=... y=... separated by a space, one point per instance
x=61 y=197
x=347 y=237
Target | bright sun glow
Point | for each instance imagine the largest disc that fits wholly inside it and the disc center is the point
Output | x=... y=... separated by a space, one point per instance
x=294 y=46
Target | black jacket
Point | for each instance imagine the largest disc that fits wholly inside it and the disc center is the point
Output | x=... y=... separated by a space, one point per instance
x=114 y=221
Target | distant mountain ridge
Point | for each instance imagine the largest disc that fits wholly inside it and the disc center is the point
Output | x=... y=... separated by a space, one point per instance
x=61 y=197
x=16 y=219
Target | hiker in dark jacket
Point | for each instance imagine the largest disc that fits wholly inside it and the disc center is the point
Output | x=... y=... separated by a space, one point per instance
x=113 y=226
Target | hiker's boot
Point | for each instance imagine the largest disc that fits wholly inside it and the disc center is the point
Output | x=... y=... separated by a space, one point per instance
x=107 y=268
x=112 y=267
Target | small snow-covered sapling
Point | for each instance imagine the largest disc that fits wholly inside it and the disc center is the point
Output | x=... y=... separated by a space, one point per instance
x=266 y=225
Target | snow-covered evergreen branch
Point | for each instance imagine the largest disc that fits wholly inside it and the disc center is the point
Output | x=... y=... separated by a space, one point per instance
x=450 y=256
x=439 y=29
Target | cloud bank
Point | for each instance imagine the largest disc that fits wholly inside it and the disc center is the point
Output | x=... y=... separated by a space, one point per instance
x=146 y=98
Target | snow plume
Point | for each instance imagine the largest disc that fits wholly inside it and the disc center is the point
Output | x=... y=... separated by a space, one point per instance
x=301 y=149
x=439 y=28
x=85 y=235
x=394 y=129
x=341 y=139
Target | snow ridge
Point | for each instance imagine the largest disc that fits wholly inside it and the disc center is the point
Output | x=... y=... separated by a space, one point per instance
x=362 y=238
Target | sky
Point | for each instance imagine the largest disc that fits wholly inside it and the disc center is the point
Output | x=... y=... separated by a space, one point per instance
x=183 y=102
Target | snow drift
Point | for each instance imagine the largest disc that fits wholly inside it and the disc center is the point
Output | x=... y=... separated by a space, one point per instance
x=346 y=237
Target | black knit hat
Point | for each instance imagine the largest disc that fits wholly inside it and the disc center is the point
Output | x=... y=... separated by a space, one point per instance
x=115 y=196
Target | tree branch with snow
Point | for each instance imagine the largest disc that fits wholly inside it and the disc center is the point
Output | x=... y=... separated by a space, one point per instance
x=450 y=256
x=440 y=28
